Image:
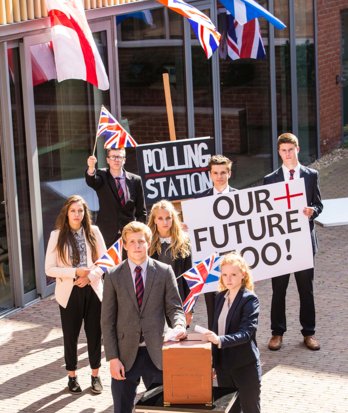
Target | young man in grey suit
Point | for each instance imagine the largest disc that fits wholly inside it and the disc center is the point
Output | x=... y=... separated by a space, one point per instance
x=220 y=170
x=288 y=149
x=139 y=295
x=120 y=194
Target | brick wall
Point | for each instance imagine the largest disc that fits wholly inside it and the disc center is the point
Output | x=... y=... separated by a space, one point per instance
x=329 y=58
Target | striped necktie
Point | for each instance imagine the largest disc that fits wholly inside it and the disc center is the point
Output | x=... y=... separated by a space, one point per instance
x=139 y=285
x=120 y=191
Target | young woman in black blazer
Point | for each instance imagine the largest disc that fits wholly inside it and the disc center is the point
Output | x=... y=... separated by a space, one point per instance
x=236 y=357
x=170 y=244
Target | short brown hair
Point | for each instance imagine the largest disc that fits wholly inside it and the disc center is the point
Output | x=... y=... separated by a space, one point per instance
x=136 y=226
x=220 y=160
x=115 y=149
x=287 y=138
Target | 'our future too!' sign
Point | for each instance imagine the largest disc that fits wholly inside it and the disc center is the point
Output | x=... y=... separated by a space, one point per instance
x=266 y=224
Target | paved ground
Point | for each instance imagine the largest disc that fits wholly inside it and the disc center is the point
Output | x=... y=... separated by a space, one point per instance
x=295 y=380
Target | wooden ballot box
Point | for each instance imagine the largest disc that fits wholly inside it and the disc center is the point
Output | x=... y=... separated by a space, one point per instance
x=187 y=377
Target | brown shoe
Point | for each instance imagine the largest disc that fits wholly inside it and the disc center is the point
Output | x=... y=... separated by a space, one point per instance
x=312 y=343
x=275 y=343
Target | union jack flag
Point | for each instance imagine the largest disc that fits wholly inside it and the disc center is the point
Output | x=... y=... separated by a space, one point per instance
x=244 y=41
x=112 y=257
x=202 y=278
x=114 y=134
x=246 y=10
x=202 y=26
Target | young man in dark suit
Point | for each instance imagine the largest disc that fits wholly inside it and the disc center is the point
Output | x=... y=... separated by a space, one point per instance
x=120 y=194
x=139 y=294
x=220 y=169
x=288 y=149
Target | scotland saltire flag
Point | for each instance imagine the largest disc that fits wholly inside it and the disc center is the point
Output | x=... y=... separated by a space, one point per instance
x=115 y=136
x=112 y=257
x=202 y=26
x=202 y=278
x=246 y=10
x=244 y=41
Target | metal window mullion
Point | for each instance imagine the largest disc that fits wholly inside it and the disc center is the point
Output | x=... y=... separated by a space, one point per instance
x=273 y=90
x=189 y=80
x=293 y=68
x=33 y=166
x=10 y=192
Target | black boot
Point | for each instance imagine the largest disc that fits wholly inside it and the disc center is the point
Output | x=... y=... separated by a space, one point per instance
x=74 y=386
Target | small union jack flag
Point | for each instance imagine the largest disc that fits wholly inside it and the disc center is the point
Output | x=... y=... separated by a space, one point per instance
x=112 y=257
x=202 y=26
x=201 y=278
x=115 y=135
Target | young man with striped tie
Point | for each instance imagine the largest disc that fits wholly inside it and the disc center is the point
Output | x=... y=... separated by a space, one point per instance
x=120 y=194
x=139 y=295
x=288 y=149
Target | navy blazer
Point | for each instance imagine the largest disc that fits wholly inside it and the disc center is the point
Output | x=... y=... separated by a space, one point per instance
x=311 y=180
x=112 y=216
x=238 y=344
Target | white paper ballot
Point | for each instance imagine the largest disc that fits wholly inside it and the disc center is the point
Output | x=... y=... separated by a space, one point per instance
x=201 y=330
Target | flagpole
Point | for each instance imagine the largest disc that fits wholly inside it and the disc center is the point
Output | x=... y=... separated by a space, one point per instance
x=96 y=135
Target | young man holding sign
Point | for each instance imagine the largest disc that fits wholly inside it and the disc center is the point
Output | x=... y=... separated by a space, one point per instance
x=220 y=169
x=288 y=149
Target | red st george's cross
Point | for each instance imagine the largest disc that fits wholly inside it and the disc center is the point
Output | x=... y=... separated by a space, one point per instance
x=288 y=196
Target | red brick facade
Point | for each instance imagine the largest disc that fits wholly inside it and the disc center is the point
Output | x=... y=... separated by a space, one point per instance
x=329 y=58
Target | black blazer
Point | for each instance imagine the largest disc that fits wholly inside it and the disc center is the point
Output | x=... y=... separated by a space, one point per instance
x=180 y=265
x=311 y=179
x=238 y=345
x=112 y=216
x=210 y=191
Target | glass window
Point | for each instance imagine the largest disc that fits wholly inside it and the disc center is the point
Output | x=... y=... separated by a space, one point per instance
x=283 y=72
x=306 y=88
x=142 y=93
x=66 y=115
x=245 y=112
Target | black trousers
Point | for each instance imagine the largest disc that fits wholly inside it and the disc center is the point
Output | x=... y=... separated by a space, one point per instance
x=247 y=380
x=124 y=391
x=83 y=306
x=210 y=304
x=304 y=281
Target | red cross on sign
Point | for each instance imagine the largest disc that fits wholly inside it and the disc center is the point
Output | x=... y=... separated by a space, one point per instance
x=288 y=196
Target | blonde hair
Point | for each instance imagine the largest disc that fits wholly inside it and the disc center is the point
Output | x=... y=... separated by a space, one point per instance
x=180 y=244
x=234 y=258
x=287 y=138
x=136 y=226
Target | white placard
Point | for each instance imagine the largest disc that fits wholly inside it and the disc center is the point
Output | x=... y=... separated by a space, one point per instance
x=266 y=224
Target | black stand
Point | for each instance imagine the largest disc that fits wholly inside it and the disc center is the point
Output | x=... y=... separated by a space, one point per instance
x=152 y=401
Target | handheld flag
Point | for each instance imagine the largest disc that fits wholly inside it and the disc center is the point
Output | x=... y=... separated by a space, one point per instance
x=244 y=41
x=202 y=278
x=115 y=135
x=75 y=52
x=246 y=10
x=202 y=26
x=112 y=257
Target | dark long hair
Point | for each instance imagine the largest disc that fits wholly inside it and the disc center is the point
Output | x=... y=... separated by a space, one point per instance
x=66 y=238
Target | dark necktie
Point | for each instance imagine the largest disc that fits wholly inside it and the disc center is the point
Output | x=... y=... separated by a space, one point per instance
x=139 y=285
x=292 y=172
x=120 y=191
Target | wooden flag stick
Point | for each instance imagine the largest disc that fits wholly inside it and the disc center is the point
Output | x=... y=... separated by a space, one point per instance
x=95 y=145
x=169 y=106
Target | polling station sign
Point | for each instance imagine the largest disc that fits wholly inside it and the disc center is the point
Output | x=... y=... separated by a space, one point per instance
x=174 y=170
x=266 y=224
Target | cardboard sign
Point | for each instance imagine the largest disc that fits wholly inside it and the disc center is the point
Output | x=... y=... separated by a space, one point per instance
x=265 y=224
x=174 y=170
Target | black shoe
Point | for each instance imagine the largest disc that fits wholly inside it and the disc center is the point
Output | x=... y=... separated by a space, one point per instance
x=74 y=386
x=96 y=385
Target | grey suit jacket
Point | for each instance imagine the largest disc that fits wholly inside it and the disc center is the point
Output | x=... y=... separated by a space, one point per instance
x=122 y=322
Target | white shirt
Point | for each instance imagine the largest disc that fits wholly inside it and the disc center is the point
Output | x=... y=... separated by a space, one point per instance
x=286 y=172
x=224 y=191
x=143 y=270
